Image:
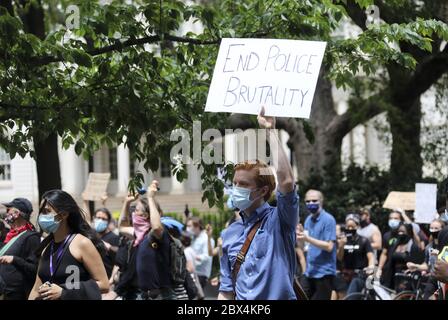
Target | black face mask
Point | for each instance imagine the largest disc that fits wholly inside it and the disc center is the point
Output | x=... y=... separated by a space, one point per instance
x=350 y=233
x=403 y=238
x=435 y=234
x=364 y=223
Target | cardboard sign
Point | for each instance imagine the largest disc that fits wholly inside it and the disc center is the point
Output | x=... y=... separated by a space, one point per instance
x=96 y=186
x=279 y=74
x=400 y=200
x=425 y=202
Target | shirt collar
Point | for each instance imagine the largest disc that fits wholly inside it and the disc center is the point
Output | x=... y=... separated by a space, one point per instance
x=256 y=215
x=315 y=219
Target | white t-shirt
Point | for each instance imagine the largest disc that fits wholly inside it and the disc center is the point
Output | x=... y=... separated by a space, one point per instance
x=190 y=255
x=203 y=265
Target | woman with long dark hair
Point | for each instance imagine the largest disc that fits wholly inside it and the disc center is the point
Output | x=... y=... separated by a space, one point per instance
x=70 y=264
x=405 y=249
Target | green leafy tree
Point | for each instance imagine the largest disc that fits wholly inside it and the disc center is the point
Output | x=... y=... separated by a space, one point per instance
x=126 y=75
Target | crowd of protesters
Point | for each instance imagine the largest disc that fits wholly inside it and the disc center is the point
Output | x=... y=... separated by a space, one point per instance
x=264 y=251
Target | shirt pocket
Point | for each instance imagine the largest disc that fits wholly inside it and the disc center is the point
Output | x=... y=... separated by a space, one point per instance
x=261 y=242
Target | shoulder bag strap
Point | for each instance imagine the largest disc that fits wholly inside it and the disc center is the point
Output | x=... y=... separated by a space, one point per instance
x=10 y=243
x=242 y=254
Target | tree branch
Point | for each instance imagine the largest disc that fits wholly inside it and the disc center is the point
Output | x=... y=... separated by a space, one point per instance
x=427 y=73
x=8 y=5
x=357 y=114
x=356 y=14
x=39 y=61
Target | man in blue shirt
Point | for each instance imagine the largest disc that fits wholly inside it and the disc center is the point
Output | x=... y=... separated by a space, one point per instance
x=267 y=271
x=320 y=233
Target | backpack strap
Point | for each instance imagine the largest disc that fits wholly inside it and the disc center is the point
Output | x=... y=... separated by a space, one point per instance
x=242 y=254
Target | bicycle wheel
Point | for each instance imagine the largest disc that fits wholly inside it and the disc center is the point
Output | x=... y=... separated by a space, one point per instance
x=356 y=296
x=405 y=295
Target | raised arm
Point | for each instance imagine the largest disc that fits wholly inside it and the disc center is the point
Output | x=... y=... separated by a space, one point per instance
x=124 y=216
x=86 y=210
x=156 y=223
x=282 y=166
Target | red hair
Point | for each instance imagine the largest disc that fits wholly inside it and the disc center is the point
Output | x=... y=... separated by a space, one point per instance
x=263 y=175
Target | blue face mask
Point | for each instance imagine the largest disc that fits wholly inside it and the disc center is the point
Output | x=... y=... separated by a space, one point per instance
x=100 y=225
x=230 y=203
x=394 y=224
x=241 y=198
x=48 y=224
x=312 y=207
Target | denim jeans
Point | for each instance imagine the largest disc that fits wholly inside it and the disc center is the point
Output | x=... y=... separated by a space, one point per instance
x=356 y=285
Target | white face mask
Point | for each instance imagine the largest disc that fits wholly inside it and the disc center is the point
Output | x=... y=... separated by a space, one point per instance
x=191 y=231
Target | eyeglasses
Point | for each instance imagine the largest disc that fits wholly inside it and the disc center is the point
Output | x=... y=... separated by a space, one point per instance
x=311 y=201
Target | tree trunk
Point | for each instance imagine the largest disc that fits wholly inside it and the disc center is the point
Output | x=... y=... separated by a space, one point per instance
x=47 y=156
x=406 y=161
x=47 y=163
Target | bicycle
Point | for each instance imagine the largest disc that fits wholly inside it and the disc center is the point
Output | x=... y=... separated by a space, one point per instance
x=373 y=289
x=417 y=281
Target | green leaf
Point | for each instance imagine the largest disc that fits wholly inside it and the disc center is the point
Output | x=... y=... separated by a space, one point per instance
x=81 y=58
x=79 y=146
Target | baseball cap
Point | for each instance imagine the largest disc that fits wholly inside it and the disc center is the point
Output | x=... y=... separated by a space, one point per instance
x=22 y=204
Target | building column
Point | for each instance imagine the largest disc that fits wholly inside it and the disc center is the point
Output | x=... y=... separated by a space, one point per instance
x=73 y=170
x=123 y=170
x=178 y=187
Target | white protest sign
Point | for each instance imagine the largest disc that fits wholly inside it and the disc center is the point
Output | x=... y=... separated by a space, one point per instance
x=425 y=202
x=279 y=74
x=96 y=186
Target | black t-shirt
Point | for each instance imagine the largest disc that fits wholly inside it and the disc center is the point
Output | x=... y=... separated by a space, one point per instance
x=389 y=239
x=355 y=253
x=109 y=258
x=153 y=262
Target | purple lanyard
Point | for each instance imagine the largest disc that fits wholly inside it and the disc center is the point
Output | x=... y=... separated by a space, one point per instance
x=59 y=253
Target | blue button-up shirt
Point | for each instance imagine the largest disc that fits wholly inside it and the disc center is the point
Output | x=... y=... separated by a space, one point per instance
x=320 y=263
x=267 y=272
